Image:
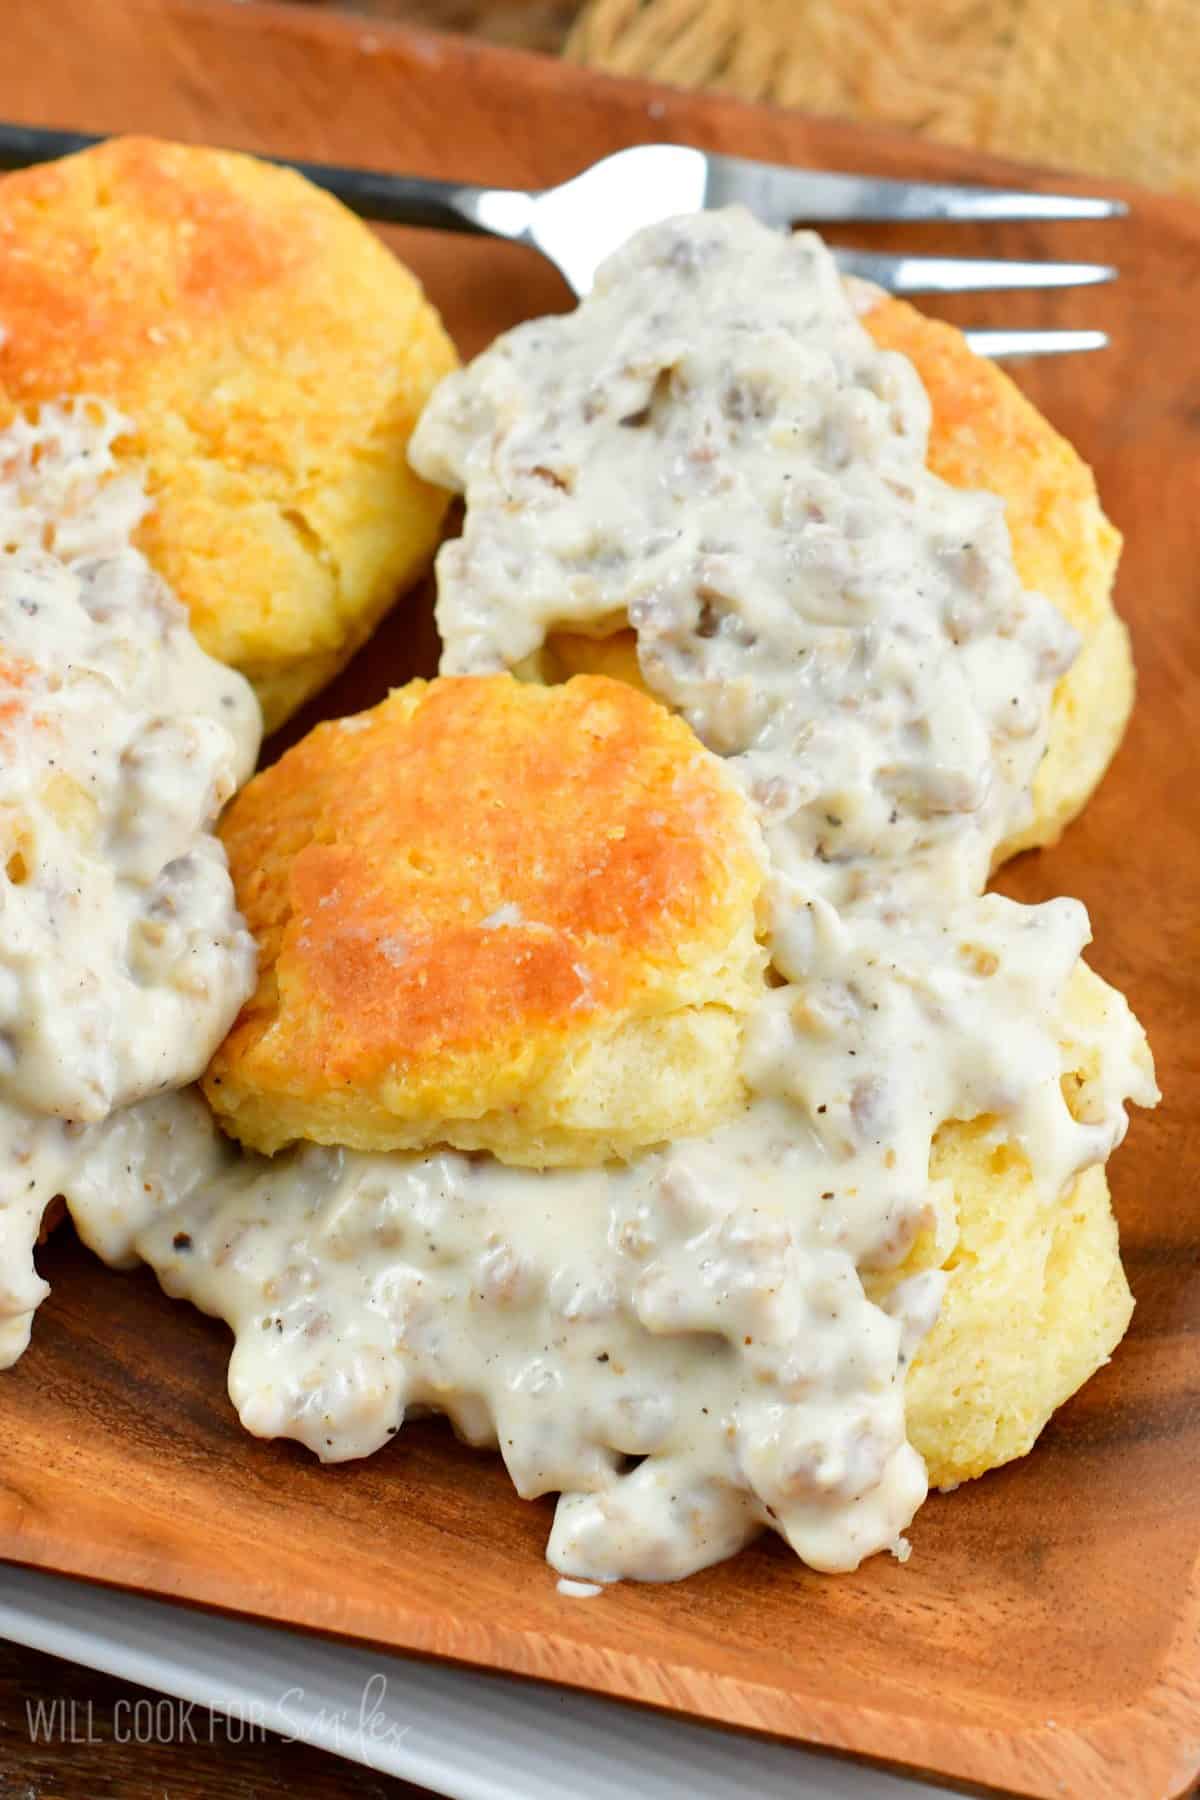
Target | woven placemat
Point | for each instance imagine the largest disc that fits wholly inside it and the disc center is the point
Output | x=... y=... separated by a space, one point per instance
x=1110 y=86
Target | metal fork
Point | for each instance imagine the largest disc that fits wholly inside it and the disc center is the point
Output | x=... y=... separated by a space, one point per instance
x=577 y=224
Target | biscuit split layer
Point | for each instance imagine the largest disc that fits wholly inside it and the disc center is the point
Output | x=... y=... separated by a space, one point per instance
x=1037 y=1298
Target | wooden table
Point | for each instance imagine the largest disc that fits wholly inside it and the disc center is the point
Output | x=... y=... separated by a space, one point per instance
x=522 y=24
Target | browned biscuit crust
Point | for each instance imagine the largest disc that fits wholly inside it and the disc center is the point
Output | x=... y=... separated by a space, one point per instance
x=493 y=915
x=272 y=357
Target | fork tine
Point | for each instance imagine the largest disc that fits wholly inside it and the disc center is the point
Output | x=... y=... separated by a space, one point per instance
x=965 y=274
x=1000 y=345
x=811 y=196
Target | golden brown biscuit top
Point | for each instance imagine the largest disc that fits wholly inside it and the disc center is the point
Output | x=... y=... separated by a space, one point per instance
x=107 y=257
x=477 y=866
x=271 y=357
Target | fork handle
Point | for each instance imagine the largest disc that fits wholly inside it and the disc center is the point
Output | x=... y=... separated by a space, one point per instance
x=394 y=199
x=371 y=193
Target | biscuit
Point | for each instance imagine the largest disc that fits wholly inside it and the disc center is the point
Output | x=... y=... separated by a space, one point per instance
x=985 y=434
x=496 y=916
x=1036 y=1299
x=273 y=358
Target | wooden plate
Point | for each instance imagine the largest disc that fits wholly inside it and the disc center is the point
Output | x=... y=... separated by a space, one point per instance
x=1044 y=1636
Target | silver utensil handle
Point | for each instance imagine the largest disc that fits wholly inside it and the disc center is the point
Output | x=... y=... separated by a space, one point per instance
x=371 y=193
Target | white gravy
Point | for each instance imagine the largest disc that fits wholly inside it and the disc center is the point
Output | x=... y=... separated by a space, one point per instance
x=123 y=959
x=682 y=1349
x=712 y=448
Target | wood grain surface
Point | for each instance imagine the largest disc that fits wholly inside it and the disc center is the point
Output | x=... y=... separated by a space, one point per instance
x=540 y=25
x=1045 y=1636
